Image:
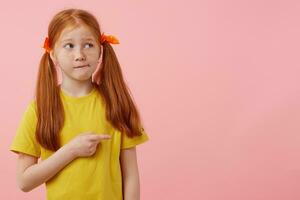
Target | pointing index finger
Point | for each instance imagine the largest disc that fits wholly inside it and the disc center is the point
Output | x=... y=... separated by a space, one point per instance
x=100 y=137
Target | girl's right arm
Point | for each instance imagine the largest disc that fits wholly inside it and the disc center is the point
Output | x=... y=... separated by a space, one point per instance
x=31 y=174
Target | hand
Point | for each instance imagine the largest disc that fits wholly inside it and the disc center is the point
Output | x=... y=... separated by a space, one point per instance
x=85 y=144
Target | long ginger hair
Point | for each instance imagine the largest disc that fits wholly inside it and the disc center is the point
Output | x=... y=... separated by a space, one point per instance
x=120 y=108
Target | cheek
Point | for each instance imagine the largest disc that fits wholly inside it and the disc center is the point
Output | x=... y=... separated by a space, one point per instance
x=64 y=58
x=92 y=55
x=65 y=65
x=94 y=66
x=93 y=58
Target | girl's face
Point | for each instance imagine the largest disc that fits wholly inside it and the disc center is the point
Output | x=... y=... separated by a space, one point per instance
x=76 y=52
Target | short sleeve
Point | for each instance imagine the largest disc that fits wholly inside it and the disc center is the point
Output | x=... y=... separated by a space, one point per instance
x=128 y=142
x=24 y=140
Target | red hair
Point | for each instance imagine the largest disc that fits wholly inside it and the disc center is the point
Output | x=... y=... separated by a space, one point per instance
x=120 y=108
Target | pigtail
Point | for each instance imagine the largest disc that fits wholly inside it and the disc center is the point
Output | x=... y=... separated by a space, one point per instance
x=50 y=113
x=121 y=110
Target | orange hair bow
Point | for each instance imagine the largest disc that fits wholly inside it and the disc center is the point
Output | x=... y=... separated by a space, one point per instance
x=108 y=38
x=47 y=45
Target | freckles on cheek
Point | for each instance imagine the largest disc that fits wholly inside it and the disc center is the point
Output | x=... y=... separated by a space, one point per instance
x=92 y=53
x=64 y=56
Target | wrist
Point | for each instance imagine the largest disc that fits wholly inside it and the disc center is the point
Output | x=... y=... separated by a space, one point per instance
x=70 y=151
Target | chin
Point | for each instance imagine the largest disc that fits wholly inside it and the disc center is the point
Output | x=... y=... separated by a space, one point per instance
x=83 y=78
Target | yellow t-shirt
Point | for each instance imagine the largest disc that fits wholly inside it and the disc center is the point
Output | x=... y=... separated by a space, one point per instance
x=97 y=177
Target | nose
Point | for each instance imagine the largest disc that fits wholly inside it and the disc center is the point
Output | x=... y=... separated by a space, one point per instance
x=79 y=56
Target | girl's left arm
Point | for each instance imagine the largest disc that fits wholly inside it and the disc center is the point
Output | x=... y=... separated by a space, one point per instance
x=130 y=174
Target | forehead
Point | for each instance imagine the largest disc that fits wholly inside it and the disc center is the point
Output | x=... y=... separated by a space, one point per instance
x=76 y=33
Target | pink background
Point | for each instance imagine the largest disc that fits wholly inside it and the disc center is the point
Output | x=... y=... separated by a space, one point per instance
x=216 y=82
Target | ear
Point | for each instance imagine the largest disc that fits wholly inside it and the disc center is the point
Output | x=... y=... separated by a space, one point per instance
x=101 y=53
x=53 y=57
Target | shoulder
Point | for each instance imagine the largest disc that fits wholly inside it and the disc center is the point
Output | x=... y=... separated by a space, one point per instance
x=31 y=109
x=32 y=105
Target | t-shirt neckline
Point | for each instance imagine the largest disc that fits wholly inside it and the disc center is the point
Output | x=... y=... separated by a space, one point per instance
x=80 y=98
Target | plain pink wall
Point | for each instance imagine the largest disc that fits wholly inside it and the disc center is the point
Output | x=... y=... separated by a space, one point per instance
x=217 y=84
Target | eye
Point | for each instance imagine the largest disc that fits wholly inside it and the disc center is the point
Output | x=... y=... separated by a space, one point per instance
x=71 y=45
x=90 y=44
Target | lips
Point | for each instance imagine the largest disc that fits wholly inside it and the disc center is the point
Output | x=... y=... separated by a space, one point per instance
x=82 y=66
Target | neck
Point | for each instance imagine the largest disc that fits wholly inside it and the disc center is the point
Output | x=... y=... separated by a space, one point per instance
x=77 y=88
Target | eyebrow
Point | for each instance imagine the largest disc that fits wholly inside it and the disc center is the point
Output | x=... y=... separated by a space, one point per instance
x=69 y=39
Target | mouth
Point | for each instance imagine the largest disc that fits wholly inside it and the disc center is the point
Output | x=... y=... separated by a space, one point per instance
x=82 y=66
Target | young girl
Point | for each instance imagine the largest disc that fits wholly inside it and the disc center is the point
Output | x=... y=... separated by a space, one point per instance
x=85 y=130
